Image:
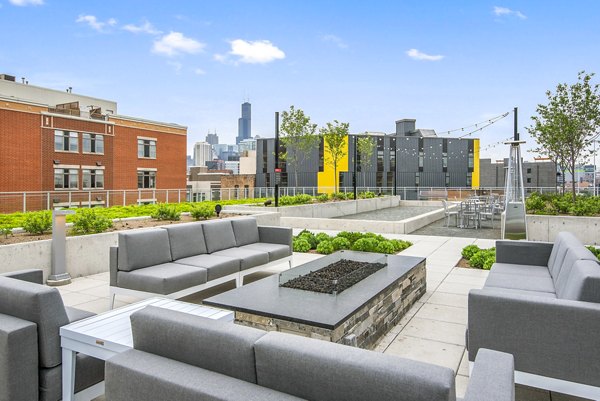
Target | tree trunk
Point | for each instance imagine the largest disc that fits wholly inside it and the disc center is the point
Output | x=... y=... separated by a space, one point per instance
x=335 y=187
x=573 y=181
x=564 y=171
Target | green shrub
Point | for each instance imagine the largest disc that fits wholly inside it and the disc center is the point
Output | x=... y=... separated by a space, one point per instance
x=325 y=247
x=6 y=231
x=309 y=237
x=594 y=250
x=322 y=198
x=165 y=211
x=366 y=195
x=303 y=199
x=365 y=245
x=202 y=211
x=350 y=236
x=400 y=245
x=320 y=237
x=87 y=221
x=286 y=200
x=340 y=243
x=469 y=250
x=535 y=204
x=483 y=258
x=300 y=245
x=341 y=195
x=38 y=222
x=385 y=247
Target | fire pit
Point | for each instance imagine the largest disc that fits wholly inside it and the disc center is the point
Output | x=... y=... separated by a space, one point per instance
x=356 y=314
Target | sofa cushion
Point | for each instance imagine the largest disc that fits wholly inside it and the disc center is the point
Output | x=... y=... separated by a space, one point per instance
x=320 y=370
x=163 y=279
x=245 y=230
x=275 y=251
x=216 y=266
x=248 y=257
x=524 y=292
x=525 y=270
x=563 y=242
x=41 y=305
x=574 y=253
x=88 y=371
x=222 y=347
x=143 y=248
x=218 y=234
x=583 y=283
x=520 y=282
x=186 y=240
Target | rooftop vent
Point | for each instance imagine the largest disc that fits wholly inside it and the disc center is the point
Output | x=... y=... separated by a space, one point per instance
x=7 y=77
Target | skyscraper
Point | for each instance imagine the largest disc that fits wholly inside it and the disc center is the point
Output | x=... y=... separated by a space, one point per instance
x=244 y=123
x=202 y=153
x=212 y=139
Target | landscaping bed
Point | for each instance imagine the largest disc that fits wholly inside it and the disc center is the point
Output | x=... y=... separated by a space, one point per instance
x=325 y=244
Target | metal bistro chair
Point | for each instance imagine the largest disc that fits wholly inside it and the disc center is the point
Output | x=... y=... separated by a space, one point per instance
x=470 y=213
x=448 y=213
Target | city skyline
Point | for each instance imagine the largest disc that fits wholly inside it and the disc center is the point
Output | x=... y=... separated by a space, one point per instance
x=447 y=65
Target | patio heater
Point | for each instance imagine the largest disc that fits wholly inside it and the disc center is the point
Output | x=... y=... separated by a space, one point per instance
x=513 y=224
x=58 y=267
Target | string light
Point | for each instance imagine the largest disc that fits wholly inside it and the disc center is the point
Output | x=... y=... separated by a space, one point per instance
x=476 y=125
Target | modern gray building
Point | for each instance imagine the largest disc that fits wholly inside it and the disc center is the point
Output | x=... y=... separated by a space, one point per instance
x=245 y=123
x=539 y=173
x=212 y=139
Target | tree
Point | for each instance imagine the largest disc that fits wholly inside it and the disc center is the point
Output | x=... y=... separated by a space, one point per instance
x=335 y=136
x=298 y=138
x=365 y=147
x=565 y=127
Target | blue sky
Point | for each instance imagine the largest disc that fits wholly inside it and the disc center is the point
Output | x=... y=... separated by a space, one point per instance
x=447 y=64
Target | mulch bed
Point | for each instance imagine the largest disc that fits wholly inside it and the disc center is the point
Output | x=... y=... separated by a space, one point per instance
x=464 y=263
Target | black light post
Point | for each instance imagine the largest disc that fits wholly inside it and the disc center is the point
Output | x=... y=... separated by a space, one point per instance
x=277 y=170
x=355 y=163
x=395 y=165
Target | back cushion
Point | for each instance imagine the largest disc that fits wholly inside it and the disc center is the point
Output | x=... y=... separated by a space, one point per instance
x=218 y=235
x=219 y=346
x=41 y=305
x=319 y=370
x=144 y=248
x=562 y=243
x=245 y=231
x=574 y=253
x=186 y=240
x=583 y=283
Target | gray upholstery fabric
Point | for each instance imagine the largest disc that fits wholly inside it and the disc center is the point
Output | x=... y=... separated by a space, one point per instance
x=216 y=266
x=31 y=275
x=18 y=359
x=221 y=347
x=564 y=241
x=275 y=251
x=248 y=257
x=139 y=249
x=139 y=376
x=583 y=283
x=492 y=378
x=75 y=314
x=524 y=292
x=275 y=235
x=38 y=304
x=548 y=337
x=523 y=270
x=523 y=252
x=186 y=240
x=574 y=253
x=320 y=370
x=520 y=282
x=163 y=279
x=113 y=262
x=245 y=231
x=218 y=234
x=88 y=371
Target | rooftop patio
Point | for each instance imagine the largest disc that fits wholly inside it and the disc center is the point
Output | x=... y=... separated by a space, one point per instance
x=432 y=331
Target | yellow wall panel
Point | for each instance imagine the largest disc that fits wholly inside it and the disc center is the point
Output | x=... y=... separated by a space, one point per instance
x=326 y=178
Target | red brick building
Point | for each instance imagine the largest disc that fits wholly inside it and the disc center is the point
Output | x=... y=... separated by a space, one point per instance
x=62 y=154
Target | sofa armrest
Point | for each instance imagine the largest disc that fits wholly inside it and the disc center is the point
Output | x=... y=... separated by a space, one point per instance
x=547 y=336
x=18 y=359
x=275 y=235
x=492 y=377
x=523 y=252
x=32 y=275
x=113 y=262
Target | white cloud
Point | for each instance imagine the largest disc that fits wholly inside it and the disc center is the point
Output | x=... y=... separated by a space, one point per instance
x=93 y=22
x=503 y=11
x=199 y=71
x=253 y=52
x=23 y=3
x=417 y=55
x=336 y=40
x=146 y=27
x=175 y=43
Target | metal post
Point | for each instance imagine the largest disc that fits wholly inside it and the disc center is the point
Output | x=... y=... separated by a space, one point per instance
x=107 y=198
x=58 y=274
x=516 y=130
x=24 y=202
x=277 y=158
x=395 y=165
x=355 y=163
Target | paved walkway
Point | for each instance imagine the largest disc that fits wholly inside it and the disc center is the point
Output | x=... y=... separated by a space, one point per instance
x=432 y=331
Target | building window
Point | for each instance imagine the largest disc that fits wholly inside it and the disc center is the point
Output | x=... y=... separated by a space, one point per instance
x=65 y=178
x=146 y=179
x=380 y=150
x=529 y=171
x=444 y=160
x=66 y=141
x=93 y=179
x=447 y=179
x=417 y=179
x=147 y=148
x=469 y=179
x=93 y=143
x=529 y=180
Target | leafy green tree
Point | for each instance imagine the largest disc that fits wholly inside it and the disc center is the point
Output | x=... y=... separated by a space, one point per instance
x=335 y=136
x=566 y=126
x=297 y=137
x=365 y=146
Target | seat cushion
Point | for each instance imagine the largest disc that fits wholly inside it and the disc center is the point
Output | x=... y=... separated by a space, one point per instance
x=574 y=253
x=88 y=371
x=563 y=242
x=143 y=248
x=245 y=231
x=525 y=270
x=41 y=305
x=186 y=240
x=218 y=235
x=583 y=283
x=524 y=292
x=520 y=282
x=248 y=257
x=275 y=251
x=216 y=266
x=75 y=314
x=163 y=279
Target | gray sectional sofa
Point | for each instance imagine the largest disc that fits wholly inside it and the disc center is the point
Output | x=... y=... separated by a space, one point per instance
x=541 y=303
x=185 y=357
x=31 y=315
x=181 y=259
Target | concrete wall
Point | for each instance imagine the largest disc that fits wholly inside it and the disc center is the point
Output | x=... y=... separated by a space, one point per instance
x=545 y=228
